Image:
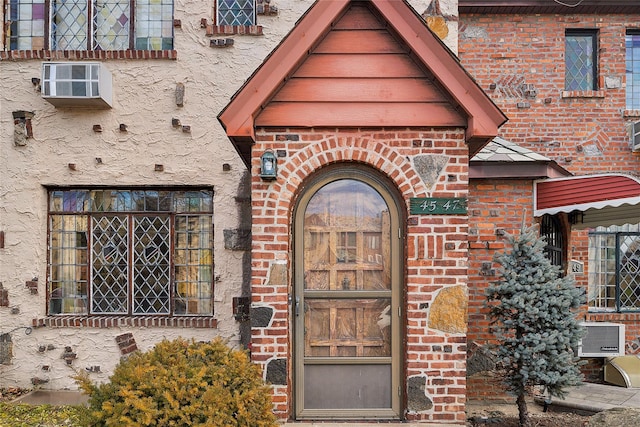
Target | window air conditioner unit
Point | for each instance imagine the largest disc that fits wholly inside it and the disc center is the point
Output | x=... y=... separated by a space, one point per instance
x=602 y=340
x=70 y=84
x=635 y=136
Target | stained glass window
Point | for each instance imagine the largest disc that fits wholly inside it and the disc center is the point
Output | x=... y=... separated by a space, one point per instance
x=112 y=20
x=580 y=60
x=154 y=24
x=236 y=12
x=632 y=43
x=26 y=24
x=131 y=252
x=90 y=24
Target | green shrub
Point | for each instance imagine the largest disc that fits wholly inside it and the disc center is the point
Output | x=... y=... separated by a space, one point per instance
x=181 y=383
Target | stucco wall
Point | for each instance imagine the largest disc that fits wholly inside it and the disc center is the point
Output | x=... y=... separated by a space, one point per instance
x=144 y=99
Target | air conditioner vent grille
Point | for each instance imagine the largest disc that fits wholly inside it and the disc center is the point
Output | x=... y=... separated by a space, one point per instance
x=76 y=84
x=602 y=340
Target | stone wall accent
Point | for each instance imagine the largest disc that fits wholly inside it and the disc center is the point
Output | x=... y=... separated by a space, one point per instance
x=261 y=316
x=126 y=343
x=417 y=401
x=276 y=371
x=6 y=347
x=448 y=312
x=237 y=239
x=4 y=296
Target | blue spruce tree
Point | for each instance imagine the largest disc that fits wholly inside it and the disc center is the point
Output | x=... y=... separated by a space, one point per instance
x=532 y=308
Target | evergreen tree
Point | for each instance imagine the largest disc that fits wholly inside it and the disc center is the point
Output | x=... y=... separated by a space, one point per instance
x=533 y=310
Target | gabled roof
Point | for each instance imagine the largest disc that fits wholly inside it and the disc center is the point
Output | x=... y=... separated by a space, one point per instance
x=502 y=159
x=482 y=116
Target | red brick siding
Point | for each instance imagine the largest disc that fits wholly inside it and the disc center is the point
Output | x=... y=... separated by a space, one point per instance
x=436 y=247
x=583 y=134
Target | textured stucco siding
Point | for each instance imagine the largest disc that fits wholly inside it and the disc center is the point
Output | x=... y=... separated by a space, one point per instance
x=144 y=99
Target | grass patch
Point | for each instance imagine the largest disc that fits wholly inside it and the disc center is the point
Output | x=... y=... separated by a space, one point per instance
x=23 y=415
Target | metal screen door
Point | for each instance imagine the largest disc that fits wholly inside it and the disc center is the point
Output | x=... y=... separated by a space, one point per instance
x=346 y=308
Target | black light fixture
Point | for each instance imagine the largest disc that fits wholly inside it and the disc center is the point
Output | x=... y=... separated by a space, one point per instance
x=268 y=166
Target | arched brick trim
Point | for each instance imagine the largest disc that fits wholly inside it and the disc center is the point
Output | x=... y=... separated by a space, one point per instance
x=337 y=149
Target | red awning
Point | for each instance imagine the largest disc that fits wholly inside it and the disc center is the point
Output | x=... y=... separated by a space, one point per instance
x=602 y=200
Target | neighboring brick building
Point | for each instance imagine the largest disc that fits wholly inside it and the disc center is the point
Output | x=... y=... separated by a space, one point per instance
x=528 y=57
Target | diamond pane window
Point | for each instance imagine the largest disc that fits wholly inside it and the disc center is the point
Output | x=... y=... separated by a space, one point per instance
x=111 y=25
x=614 y=269
x=580 y=60
x=89 y=24
x=69 y=21
x=131 y=252
x=236 y=12
x=632 y=44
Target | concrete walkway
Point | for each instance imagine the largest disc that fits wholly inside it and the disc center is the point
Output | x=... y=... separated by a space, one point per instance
x=598 y=397
x=587 y=397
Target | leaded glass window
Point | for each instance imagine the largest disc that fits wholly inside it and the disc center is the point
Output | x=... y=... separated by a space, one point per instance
x=130 y=252
x=90 y=24
x=26 y=24
x=614 y=268
x=580 y=60
x=154 y=24
x=236 y=12
x=632 y=43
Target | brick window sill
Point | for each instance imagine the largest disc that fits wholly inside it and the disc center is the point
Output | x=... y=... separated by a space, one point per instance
x=612 y=316
x=631 y=113
x=227 y=30
x=87 y=54
x=208 y=322
x=583 y=94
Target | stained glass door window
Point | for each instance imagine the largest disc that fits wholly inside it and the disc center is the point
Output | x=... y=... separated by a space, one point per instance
x=346 y=306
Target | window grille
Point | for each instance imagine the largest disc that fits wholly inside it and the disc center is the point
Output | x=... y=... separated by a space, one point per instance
x=130 y=252
x=632 y=44
x=614 y=269
x=236 y=12
x=581 y=60
x=90 y=24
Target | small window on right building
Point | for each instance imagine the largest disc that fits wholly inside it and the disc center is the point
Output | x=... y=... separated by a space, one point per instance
x=581 y=60
x=632 y=45
x=614 y=268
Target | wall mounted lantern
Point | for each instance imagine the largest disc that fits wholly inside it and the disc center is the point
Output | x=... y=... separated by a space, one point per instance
x=268 y=166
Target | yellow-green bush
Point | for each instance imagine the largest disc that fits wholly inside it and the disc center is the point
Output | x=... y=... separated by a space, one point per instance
x=182 y=383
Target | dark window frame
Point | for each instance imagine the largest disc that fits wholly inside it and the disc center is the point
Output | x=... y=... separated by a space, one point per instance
x=631 y=102
x=569 y=82
x=92 y=44
x=620 y=293
x=551 y=229
x=70 y=283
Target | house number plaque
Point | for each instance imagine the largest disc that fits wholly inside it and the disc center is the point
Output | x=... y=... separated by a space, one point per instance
x=438 y=206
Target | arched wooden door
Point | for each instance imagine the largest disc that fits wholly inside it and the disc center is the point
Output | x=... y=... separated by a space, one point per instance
x=346 y=307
